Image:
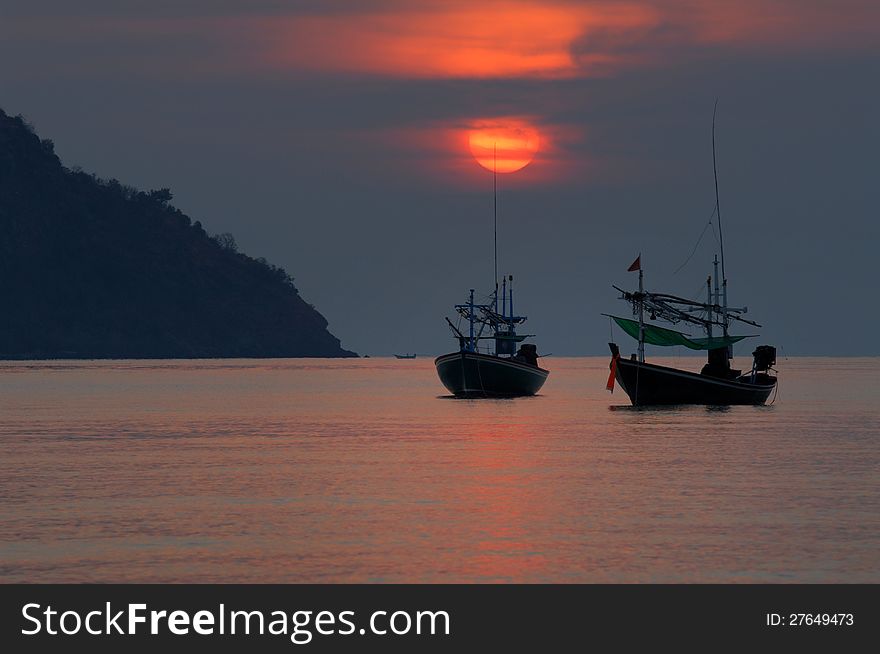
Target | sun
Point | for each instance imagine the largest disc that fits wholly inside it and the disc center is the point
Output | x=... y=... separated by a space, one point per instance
x=503 y=145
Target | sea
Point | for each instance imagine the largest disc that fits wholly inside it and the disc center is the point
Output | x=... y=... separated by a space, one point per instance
x=365 y=470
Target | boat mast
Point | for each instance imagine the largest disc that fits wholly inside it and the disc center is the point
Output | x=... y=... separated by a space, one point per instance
x=495 y=214
x=471 y=342
x=714 y=299
x=724 y=320
x=709 y=302
x=495 y=230
x=641 y=312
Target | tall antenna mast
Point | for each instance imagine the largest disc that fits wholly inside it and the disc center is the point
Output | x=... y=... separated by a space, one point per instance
x=720 y=235
x=717 y=203
x=495 y=212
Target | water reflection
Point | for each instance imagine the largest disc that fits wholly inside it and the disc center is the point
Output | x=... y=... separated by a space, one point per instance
x=311 y=471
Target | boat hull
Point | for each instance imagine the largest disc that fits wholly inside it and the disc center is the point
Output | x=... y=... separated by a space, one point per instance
x=471 y=374
x=649 y=384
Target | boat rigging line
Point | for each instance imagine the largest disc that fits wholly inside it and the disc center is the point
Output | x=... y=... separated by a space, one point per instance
x=697 y=244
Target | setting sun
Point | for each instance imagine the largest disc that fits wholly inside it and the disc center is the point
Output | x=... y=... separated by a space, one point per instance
x=504 y=146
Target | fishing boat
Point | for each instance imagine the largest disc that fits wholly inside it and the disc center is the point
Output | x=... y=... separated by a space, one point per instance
x=500 y=370
x=404 y=356
x=717 y=383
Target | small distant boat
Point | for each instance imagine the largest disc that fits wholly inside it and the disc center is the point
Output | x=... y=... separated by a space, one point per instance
x=404 y=356
x=717 y=383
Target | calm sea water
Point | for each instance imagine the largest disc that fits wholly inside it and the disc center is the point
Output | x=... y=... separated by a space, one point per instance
x=361 y=471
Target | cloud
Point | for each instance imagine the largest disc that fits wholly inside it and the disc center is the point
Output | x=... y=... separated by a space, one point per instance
x=555 y=38
x=500 y=39
x=430 y=39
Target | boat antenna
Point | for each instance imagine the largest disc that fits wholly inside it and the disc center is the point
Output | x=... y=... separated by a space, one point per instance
x=495 y=213
x=720 y=230
x=717 y=203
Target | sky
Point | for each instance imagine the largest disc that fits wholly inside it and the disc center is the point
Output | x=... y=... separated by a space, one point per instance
x=349 y=143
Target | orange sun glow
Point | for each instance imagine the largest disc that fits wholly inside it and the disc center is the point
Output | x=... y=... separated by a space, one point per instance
x=503 y=146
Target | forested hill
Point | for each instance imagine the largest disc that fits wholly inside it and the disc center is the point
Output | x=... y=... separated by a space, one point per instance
x=95 y=269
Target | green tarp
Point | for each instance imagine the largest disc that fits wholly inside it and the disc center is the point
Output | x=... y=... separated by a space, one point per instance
x=661 y=336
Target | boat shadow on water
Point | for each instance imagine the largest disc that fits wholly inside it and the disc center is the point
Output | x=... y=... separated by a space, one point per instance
x=687 y=408
x=483 y=398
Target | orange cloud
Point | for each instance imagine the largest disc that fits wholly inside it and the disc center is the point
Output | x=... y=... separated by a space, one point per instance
x=488 y=39
x=434 y=38
x=552 y=38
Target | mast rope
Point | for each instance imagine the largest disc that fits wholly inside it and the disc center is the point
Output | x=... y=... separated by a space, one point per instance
x=715 y=236
x=699 y=240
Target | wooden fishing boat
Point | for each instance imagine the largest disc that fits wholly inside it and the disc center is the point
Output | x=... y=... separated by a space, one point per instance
x=717 y=382
x=499 y=372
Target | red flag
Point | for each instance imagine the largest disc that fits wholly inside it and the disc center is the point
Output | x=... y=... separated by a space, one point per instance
x=636 y=265
x=610 y=385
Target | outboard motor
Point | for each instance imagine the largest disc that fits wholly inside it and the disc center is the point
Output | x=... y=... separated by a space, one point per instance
x=765 y=358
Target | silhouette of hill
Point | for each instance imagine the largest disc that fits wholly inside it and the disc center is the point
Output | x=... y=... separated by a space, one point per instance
x=91 y=268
